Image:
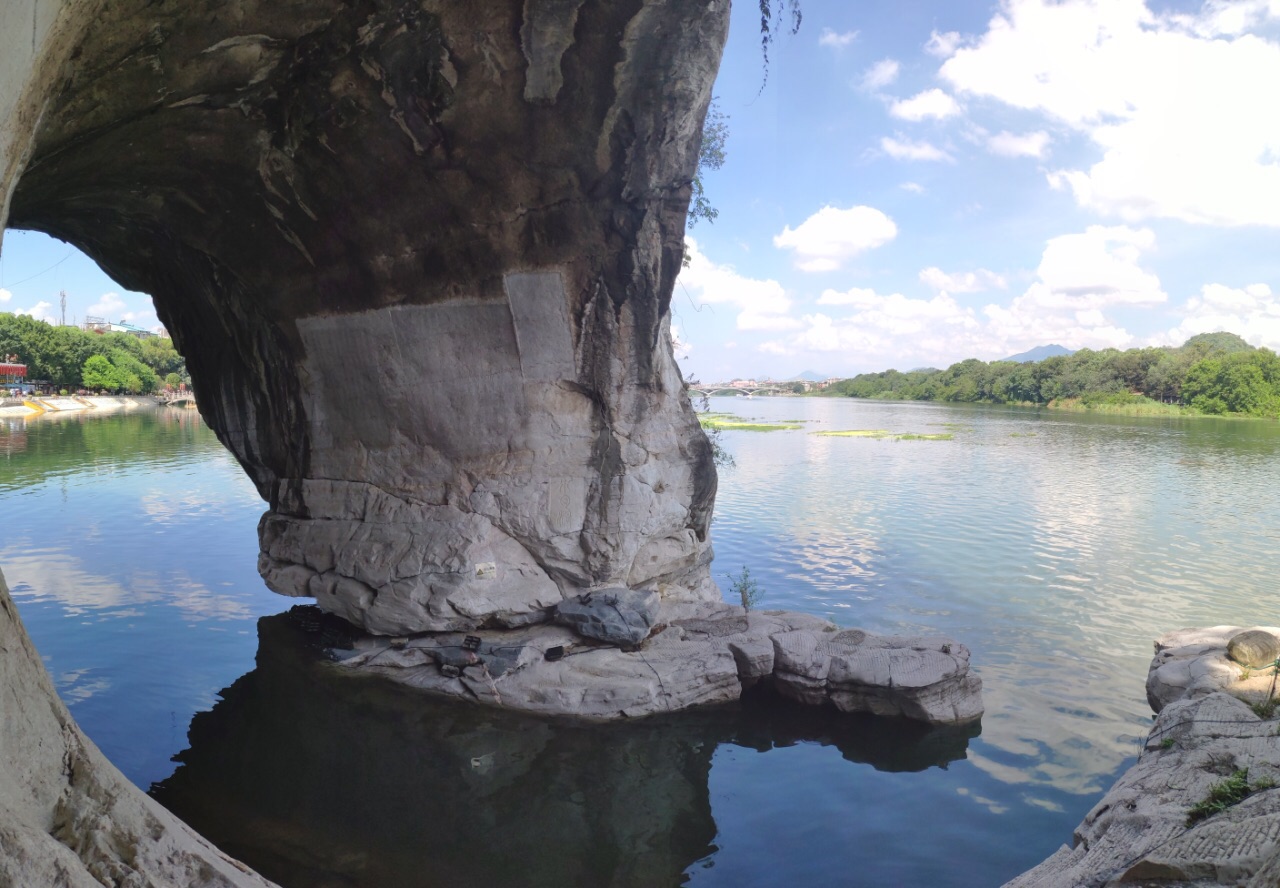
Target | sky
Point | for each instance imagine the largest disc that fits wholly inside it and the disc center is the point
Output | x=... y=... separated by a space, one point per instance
x=921 y=182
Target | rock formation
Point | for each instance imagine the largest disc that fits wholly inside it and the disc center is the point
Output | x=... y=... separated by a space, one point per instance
x=419 y=257
x=1205 y=734
x=68 y=817
x=318 y=779
x=698 y=654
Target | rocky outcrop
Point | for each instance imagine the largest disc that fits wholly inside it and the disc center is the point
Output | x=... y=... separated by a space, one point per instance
x=321 y=779
x=698 y=654
x=419 y=257
x=68 y=817
x=1207 y=738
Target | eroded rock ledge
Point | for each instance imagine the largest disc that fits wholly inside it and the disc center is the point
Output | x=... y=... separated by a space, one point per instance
x=68 y=817
x=697 y=654
x=1206 y=731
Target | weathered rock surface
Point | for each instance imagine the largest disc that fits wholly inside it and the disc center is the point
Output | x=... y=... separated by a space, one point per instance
x=615 y=616
x=700 y=654
x=68 y=817
x=1139 y=833
x=419 y=257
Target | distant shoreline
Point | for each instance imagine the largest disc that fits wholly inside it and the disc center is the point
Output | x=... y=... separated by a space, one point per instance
x=66 y=406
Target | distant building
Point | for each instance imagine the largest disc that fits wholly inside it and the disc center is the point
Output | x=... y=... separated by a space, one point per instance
x=12 y=374
x=102 y=325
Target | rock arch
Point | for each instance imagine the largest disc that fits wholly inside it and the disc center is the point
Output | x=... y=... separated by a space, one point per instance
x=419 y=257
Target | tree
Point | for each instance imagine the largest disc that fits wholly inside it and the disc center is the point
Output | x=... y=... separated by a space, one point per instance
x=715 y=132
x=98 y=373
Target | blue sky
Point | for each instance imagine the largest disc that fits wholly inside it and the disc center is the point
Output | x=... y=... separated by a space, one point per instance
x=921 y=182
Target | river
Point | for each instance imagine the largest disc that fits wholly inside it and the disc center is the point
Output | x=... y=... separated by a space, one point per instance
x=1055 y=545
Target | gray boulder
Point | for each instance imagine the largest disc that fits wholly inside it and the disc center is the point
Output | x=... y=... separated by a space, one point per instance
x=622 y=617
x=1254 y=648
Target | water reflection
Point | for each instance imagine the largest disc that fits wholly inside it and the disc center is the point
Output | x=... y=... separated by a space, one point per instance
x=318 y=779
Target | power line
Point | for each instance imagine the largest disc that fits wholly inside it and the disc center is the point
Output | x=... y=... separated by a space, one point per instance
x=70 y=253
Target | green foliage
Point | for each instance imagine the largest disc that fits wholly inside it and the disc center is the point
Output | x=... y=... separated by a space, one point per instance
x=745 y=588
x=99 y=373
x=1213 y=373
x=769 y=29
x=711 y=156
x=1232 y=791
x=59 y=354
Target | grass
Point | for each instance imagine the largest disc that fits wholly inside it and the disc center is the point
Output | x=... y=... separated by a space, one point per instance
x=1133 y=406
x=1266 y=708
x=1222 y=795
x=1167 y=743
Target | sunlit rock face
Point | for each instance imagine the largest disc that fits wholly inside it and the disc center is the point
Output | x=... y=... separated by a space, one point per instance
x=419 y=256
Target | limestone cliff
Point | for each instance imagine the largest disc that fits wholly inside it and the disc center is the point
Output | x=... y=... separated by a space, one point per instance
x=419 y=257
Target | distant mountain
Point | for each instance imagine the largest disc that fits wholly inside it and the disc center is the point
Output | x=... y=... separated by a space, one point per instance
x=807 y=376
x=1039 y=353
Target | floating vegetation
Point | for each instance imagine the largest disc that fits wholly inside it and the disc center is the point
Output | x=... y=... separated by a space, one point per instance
x=738 y=424
x=954 y=426
x=884 y=433
x=1022 y=434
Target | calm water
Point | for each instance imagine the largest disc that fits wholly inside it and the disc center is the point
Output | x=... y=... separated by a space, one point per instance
x=1055 y=545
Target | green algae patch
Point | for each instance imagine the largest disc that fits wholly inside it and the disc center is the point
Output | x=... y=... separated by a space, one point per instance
x=909 y=436
x=855 y=433
x=736 y=424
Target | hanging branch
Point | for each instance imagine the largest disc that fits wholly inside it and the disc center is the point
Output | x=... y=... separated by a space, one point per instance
x=768 y=30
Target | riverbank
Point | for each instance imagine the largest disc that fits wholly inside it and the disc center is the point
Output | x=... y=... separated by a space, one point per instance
x=37 y=406
x=1200 y=806
x=1144 y=407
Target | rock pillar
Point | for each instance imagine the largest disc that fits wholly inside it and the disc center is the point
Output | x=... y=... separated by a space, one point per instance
x=419 y=257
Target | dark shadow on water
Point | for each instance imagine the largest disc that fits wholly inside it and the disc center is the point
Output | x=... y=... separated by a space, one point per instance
x=322 y=780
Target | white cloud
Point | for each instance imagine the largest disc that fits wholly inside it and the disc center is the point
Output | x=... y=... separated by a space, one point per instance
x=1172 y=102
x=883 y=330
x=109 y=306
x=1252 y=312
x=943 y=45
x=836 y=41
x=41 y=311
x=880 y=75
x=830 y=236
x=906 y=149
x=1081 y=277
x=5 y=295
x=761 y=304
x=1099 y=268
x=961 y=281
x=912 y=187
x=930 y=103
x=1008 y=144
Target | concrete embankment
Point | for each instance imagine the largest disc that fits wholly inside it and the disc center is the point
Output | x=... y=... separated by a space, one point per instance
x=1201 y=807
x=41 y=406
